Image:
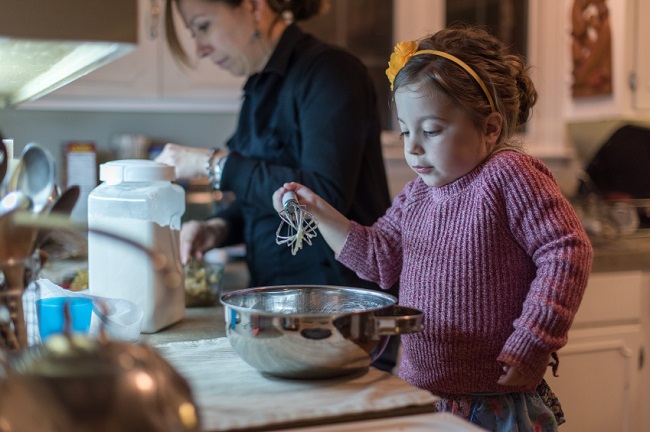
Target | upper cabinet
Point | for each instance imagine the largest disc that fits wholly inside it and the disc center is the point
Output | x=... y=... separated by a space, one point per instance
x=606 y=65
x=149 y=79
x=562 y=37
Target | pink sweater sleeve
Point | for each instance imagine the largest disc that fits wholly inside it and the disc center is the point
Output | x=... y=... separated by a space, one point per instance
x=546 y=226
x=379 y=245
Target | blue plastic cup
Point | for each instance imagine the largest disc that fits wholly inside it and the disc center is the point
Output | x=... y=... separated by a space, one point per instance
x=51 y=317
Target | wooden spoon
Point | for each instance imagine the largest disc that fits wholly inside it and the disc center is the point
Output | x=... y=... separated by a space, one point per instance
x=15 y=249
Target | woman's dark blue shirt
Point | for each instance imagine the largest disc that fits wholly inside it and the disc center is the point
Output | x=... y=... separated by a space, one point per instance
x=310 y=116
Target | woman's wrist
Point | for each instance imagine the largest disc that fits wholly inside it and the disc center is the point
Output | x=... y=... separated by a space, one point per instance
x=214 y=166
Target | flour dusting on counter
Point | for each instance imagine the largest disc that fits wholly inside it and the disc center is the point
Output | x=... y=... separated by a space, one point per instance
x=232 y=395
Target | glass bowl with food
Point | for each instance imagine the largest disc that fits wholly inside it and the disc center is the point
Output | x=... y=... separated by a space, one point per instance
x=203 y=282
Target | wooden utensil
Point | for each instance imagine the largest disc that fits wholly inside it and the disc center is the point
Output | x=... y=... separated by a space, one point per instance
x=15 y=249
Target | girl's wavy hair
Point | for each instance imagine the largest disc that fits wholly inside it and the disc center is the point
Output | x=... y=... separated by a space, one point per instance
x=505 y=75
x=300 y=10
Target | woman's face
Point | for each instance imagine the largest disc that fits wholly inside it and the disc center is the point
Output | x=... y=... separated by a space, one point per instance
x=441 y=143
x=224 y=34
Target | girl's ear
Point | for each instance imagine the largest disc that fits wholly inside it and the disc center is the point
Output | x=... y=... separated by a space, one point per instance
x=492 y=128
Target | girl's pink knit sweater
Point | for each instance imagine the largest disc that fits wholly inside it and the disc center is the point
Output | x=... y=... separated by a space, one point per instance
x=497 y=261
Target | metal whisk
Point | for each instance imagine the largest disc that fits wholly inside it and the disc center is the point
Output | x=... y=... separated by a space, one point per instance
x=297 y=224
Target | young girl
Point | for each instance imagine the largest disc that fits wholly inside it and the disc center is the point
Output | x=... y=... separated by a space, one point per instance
x=482 y=240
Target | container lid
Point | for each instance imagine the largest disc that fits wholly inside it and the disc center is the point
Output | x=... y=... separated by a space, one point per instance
x=135 y=170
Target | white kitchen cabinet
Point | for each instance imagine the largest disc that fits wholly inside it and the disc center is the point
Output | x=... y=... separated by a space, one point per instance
x=149 y=79
x=603 y=383
x=630 y=35
x=641 y=64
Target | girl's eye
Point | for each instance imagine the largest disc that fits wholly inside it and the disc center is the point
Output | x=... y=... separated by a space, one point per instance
x=403 y=134
x=431 y=133
x=203 y=27
x=200 y=28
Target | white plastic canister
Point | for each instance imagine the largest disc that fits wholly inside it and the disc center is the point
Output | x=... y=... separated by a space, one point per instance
x=138 y=201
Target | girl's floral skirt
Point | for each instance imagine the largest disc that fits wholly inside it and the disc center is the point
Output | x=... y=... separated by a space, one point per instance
x=508 y=412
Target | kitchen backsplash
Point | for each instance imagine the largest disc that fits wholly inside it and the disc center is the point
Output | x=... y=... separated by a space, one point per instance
x=53 y=129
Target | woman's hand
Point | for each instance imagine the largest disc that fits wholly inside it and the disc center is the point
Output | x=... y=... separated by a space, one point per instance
x=513 y=378
x=197 y=237
x=188 y=161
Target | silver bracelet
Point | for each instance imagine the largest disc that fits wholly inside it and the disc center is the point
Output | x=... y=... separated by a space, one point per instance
x=214 y=167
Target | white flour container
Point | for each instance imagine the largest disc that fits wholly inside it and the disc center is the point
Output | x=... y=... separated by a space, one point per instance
x=138 y=201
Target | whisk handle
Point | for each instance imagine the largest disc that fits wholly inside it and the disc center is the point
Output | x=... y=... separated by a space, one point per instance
x=289 y=197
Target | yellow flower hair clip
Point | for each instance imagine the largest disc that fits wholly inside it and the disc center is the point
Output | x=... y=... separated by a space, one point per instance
x=402 y=53
x=405 y=50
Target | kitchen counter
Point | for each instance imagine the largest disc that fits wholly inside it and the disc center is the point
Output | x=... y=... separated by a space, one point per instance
x=234 y=397
x=200 y=331
x=203 y=322
x=625 y=254
x=198 y=324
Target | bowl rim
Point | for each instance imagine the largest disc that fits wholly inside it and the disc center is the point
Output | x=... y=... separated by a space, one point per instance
x=275 y=288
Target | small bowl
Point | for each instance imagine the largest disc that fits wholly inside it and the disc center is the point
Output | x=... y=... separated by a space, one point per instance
x=203 y=283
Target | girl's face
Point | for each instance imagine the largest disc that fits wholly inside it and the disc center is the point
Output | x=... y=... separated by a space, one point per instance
x=441 y=143
x=224 y=34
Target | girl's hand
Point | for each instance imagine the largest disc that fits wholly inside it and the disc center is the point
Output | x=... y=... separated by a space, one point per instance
x=513 y=378
x=189 y=162
x=302 y=193
x=332 y=225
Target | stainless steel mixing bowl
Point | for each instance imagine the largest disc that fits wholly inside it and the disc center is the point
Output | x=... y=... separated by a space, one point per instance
x=313 y=331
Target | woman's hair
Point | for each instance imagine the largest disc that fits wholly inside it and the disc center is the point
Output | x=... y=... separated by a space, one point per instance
x=299 y=10
x=505 y=76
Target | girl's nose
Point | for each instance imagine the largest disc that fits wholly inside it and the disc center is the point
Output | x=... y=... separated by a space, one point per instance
x=411 y=146
x=202 y=50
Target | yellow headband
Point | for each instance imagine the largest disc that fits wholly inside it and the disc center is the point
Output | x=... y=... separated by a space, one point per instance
x=405 y=50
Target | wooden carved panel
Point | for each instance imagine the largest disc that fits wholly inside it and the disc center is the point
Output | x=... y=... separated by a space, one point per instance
x=591 y=48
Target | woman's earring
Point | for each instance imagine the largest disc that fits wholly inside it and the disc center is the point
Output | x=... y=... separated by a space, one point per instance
x=287 y=16
x=257 y=35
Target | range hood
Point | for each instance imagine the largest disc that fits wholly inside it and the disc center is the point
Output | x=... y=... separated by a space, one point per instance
x=45 y=44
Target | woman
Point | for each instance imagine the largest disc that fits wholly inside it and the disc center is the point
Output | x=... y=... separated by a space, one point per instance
x=309 y=114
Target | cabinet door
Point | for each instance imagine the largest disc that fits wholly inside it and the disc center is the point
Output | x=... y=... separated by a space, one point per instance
x=598 y=380
x=642 y=59
x=134 y=75
x=148 y=79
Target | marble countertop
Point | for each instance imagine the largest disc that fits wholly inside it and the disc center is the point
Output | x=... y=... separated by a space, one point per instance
x=198 y=324
x=625 y=254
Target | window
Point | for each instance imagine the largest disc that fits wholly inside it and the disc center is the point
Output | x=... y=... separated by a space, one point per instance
x=505 y=19
x=365 y=28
